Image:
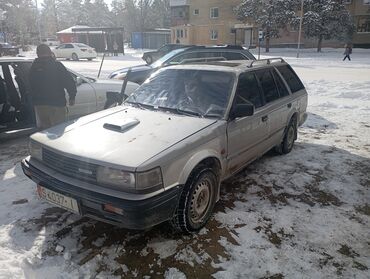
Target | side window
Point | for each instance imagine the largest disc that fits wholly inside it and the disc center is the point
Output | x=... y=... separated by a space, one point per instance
x=209 y=54
x=248 y=90
x=61 y=47
x=268 y=85
x=69 y=46
x=291 y=78
x=233 y=56
x=178 y=59
x=283 y=91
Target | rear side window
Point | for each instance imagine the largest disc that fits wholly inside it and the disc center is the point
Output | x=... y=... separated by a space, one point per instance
x=268 y=85
x=283 y=91
x=248 y=90
x=291 y=78
x=234 y=56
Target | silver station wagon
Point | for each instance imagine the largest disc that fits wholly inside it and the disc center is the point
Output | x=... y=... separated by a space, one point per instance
x=163 y=154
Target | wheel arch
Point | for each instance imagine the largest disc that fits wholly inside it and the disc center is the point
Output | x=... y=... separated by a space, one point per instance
x=205 y=159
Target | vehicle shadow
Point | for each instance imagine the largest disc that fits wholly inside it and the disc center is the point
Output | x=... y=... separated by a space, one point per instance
x=274 y=181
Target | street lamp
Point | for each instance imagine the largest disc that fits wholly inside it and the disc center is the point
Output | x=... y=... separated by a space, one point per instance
x=300 y=29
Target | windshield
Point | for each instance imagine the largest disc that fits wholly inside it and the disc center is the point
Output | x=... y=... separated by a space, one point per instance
x=186 y=91
x=168 y=56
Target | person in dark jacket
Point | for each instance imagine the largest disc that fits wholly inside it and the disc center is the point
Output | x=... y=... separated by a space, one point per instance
x=48 y=80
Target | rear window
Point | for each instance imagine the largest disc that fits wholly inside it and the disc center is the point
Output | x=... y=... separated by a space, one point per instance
x=291 y=78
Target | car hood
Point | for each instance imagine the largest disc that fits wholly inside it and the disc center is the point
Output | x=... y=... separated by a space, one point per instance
x=121 y=136
x=137 y=68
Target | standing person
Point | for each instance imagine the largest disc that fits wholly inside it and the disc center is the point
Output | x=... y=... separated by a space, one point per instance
x=347 y=52
x=48 y=79
x=115 y=48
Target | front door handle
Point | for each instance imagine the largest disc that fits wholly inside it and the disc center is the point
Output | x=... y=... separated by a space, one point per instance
x=289 y=105
x=264 y=118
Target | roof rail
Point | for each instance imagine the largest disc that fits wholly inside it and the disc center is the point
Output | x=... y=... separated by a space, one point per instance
x=266 y=61
x=204 y=59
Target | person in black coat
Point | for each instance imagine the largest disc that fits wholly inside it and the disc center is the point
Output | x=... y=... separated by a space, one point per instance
x=48 y=80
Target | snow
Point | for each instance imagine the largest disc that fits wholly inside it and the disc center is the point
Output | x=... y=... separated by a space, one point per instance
x=302 y=215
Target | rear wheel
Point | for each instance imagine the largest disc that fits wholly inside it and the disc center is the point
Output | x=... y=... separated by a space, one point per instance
x=289 y=138
x=89 y=59
x=149 y=60
x=74 y=57
x=196 y=202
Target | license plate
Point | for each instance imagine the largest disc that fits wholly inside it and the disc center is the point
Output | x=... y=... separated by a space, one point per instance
x=58 y=199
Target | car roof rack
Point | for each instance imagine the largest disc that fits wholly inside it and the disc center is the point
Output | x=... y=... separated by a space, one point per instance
x=267 y=61
x=204 y=59
x=216 y=46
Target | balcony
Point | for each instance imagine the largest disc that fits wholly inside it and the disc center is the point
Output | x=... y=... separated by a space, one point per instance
x=179 y=3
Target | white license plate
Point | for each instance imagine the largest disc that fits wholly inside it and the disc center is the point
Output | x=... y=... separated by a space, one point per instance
x=58 y=199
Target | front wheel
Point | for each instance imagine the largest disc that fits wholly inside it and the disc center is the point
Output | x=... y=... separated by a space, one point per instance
x=74 y=57
x=197 y=201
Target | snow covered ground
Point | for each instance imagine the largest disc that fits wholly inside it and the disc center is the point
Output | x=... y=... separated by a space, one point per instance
x=302 y=215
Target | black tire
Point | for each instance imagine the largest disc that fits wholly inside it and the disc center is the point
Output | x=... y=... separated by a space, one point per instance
x=197 y=201
x=289 y=138
x=74 y=57
x=149 y=60
x=90 y=59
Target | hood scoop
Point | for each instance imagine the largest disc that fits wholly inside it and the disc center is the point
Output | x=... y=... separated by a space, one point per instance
x=121 y=125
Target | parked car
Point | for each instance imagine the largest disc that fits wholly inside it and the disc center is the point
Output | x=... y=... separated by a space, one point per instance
x=74 y=51
x=150 y=56
x=140 y=73
x=51 y=41
x=169 y=147
x=16 y=111
x=7 y=49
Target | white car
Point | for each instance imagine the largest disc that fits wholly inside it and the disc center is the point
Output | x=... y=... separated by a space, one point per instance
x=16 y=111
x=51 y=42
x=74 y=51
x=163 y=154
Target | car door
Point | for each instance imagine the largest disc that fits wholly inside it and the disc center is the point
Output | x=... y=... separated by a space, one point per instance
x=86 y=101
x=247 y=135
x=278 y=107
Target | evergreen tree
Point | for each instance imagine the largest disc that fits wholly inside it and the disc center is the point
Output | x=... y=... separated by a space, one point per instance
x=326 y=19
x=269 y=15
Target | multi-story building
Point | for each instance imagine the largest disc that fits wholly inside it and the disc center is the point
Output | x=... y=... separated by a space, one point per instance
x=210 y=22
x=360 y=10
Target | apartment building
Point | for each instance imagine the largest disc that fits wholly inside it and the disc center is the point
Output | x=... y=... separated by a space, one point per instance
x=209 y=22
x=212 y=22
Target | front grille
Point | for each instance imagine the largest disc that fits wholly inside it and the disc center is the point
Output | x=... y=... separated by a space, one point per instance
x=70 y=167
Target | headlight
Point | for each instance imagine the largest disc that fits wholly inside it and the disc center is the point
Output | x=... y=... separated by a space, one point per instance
x=35 y=150
x=127 y=180
x=116 y=177
x=149 y=179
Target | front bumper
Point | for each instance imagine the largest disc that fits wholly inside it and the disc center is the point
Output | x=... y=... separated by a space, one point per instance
x=138 y=214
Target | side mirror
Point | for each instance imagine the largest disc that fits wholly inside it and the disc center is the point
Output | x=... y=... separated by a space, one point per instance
x=241 y=110
x=79 y=81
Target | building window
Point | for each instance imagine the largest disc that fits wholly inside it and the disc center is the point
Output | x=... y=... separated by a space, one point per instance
x=214 y=13
x=214 y=35
x=363 y=24
x=196 y=11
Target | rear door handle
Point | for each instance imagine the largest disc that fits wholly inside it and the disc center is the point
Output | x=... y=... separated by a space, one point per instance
x=264 y=118
x=289 y=105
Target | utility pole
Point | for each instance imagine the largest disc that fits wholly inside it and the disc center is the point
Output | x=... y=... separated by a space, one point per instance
x=38 y=21
x=300 y=29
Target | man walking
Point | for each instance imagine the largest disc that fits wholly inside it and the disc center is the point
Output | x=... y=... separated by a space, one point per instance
x=347 y=52
x=48 y=79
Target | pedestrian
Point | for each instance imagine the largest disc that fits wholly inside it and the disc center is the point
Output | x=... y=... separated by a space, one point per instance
x=115 y=48
x=347 y=52
x=48 y=81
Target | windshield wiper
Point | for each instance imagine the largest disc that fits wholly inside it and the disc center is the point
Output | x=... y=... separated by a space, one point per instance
x=181 y=111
